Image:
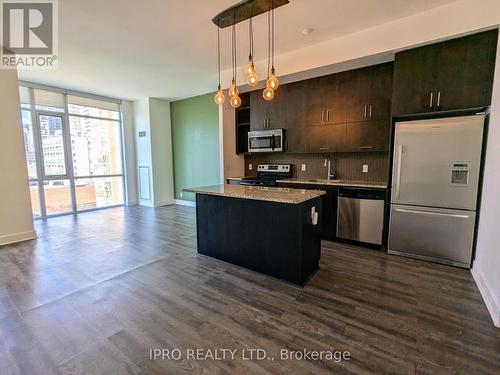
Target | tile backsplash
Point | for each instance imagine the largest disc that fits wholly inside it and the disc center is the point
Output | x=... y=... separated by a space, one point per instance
x=347 y=166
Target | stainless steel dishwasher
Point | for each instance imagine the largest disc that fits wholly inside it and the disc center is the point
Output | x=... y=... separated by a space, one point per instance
x=360 y=215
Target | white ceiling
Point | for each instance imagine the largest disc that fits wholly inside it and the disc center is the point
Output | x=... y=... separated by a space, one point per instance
x=130 y=49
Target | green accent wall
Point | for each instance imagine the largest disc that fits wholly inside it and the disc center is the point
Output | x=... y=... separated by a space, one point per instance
x=195 y=143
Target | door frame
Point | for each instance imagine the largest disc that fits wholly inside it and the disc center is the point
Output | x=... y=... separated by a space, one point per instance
x=68 y=160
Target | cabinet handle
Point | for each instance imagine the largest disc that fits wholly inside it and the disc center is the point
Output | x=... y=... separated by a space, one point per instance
x=327 y=115
x=439 y=99
x=365 y=111
x=431 y=99
x=370 y=111
x=268 y=122
x=324 y=148
x=366 y=147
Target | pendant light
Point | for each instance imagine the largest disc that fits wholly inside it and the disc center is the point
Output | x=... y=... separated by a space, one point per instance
x=268 y=93
x=219 y=97
x=272 y=81
x=235 y=100
x=252 y=78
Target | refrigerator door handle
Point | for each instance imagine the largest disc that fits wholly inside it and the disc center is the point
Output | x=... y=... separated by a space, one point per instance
x=398 y=170
x=431 y=213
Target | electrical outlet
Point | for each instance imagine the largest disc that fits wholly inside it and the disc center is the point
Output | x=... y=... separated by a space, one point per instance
x=250 y=166
x=180 y=194
x=365 y=168
x=303 y=168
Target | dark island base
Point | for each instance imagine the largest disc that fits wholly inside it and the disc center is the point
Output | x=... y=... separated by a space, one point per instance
x=276 y=239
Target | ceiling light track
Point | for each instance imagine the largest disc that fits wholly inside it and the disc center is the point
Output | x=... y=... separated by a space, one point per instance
x=244 y=10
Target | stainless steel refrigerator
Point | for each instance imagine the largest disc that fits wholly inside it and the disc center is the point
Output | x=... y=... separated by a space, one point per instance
x=435 y=185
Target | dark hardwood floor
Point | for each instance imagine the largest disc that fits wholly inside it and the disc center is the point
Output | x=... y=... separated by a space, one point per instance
x=96 y=291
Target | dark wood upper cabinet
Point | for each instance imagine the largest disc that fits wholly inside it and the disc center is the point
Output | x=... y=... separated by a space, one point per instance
x=269 y=114
x=381 y=77
x=326 y=100
x=450 y=75
x=295 y=108
x=368 y=136
x=465 y=71
x=369 y=94
x=258 y=111
x=326 y=138
x=318 y=113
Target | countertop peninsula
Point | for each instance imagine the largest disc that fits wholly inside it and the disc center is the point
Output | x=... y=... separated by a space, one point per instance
x=319 y=181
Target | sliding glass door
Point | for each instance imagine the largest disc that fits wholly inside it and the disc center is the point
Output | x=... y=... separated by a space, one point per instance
x=55 y=181
x=73 y=150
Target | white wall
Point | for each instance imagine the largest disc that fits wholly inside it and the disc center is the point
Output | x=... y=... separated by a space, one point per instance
x=129 y=156
x=143 y=152
x=16 y=222
x=161 y=146
x=233 y=164
x=486 y=269
x=154 y=151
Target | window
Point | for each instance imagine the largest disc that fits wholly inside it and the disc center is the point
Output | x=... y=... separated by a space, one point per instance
x=73 y=148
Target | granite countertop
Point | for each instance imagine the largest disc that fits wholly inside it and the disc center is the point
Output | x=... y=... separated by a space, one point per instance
x=319 y=181
x=261 y=193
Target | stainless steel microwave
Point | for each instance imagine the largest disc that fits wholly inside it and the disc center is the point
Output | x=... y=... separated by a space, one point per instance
x=272 y=140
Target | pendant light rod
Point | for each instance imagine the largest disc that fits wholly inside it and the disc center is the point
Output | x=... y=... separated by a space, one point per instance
x=244 y=10
x=233 y=40
x=218 y=53
x=250 y=38
x=268 y=42
x=273 y=38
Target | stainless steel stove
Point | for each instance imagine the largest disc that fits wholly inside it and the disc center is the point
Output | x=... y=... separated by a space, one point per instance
x=268 y=174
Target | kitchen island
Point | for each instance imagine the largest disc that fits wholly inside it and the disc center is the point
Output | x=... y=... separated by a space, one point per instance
x=275 y=231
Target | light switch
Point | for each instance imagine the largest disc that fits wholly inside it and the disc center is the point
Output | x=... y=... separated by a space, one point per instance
x=365 y=168
x=250 y=166
x=303 y=168
x=180 y=194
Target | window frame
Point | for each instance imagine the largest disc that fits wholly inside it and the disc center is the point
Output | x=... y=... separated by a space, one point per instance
x=34 y=113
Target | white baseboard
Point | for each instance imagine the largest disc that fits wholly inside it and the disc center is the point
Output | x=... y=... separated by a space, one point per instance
x=489 y=298
x=17 y=237
x=165 y=202
x=185 y=203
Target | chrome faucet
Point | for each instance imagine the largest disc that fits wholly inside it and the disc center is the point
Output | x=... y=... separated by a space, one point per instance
x=330 y=174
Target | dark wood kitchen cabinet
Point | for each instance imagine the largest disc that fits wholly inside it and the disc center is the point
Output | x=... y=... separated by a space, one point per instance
x=258 y=111
x=322 y=114
x=326 y=102
x=451 y=75
x=325 y=138
x=268 y=114
x=368 y=136
x=369 y=93
x=329 y=213
x=296 y=116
